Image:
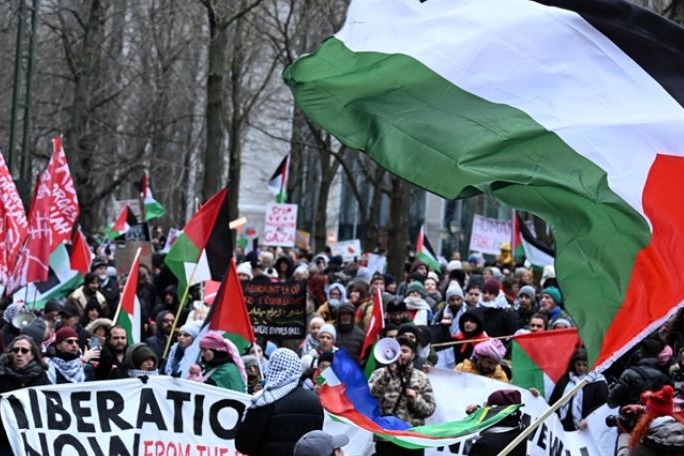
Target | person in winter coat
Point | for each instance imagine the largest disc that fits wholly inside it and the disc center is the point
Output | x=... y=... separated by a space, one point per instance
x=141 y=361
x=551 y=302
x=164 y=323
x=185 y=337
x=486 y=361
x=222 y=362
x=593 y=395
x=311 y=340
x=418 y=308
x=499 y=317
x=349 y=335
x=281 y=413
x=20 y=367
x=404 y=392
x=659 y=430
x=471 y=328
x=495 y=438
x=64 y=358
x=336 y=295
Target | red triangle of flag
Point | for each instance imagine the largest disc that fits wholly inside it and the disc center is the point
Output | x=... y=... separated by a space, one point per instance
x=229 y=310
x=550 y=350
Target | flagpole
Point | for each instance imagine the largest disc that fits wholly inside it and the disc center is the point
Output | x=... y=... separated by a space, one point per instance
x=118 y=307
x=470 y=341
x=558 y=404
x=186 y=291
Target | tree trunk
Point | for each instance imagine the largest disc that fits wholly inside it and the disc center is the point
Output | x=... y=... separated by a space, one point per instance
x=329 y=167
x=373 y=222
x=78 y=147
x=215 y=104
x=237 y=116
x=398 y=228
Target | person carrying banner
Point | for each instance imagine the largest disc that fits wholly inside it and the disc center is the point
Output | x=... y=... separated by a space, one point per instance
x=281 y=413
x=141 y=361
x=404 y=392
x=494 y=439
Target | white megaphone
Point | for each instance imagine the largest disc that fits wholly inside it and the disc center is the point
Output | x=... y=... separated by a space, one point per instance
x=387 y=350
x=22 y=319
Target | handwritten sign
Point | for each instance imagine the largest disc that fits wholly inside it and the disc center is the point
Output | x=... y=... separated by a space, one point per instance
x=348 y=250
x=280 y=226
x=488 y=234
x=277 y=310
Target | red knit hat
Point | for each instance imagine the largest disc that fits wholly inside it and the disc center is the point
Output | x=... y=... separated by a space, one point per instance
x=65 y=333
x=492 y=285
x=661 y=403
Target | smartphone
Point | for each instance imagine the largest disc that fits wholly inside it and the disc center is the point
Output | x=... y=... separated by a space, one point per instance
x=94 y=342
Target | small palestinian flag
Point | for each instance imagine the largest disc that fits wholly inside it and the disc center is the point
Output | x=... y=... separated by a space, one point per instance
x=539 y=359
x=129 y=314
x=278 y=182
x=151 y=207
x=526 y=245
x=425 y=252
x=124 y=221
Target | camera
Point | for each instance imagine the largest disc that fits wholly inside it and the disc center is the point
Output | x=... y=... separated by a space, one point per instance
x=626 y=422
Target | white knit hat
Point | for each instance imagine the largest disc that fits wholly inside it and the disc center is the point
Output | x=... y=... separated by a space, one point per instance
x=245 y=268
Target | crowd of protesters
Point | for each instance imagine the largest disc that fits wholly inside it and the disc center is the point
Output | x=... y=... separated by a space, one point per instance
x=478 y=306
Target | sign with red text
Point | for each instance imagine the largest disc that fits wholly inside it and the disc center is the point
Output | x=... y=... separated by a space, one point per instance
x=160 y=416
x=488 y=234
x=280 y=226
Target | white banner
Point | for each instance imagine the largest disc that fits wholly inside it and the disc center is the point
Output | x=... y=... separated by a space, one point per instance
x=454 y=390
x=280 y=226
x=173 y=416
x=488 y=234
x=123 y=417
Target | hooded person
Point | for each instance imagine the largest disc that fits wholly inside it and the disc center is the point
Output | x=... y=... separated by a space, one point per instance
x=499 y=317
x=281 y=413
x=349 y=336
x=141 y=361
x=418 y=308
x=253 y=373
x=336 y=295
x=186 y=335
x=470 y=332
x=164 y=323
x=222 y=362
x=285 y=268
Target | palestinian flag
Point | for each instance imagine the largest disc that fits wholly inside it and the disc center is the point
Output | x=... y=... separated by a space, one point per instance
x=375 y=325
x=151 y=207
x=539 y=359
x=570 y=110
x=62 y=279
x=128 y=314
x=526 y=245
x=228 y=314
x=345 y=396
x=425 y=252
x=80 y=255
x=204 y=248
x=124 y=221
x=278 y=182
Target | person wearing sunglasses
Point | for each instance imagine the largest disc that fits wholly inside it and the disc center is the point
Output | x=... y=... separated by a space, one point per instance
x=20 y=367
x=64 y=358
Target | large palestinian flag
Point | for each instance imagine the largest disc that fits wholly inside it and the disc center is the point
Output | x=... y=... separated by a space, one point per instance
x=571 y=110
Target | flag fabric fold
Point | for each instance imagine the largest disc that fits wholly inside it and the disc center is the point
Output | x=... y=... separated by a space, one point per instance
x=13 y=222
x=525 y=244
x=129 y=313
x=151 y=208
x=425 y=252
x=346 y=397
x=277 y=184
x=523 y=117
x=53 y=212
x=204 y=248
x=375 y=325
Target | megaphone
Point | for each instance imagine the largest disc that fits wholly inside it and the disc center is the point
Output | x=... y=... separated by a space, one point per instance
x=22 y=319
x=387 y=350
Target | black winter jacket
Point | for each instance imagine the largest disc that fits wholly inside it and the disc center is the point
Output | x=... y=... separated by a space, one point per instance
x=645 y=375
x=274 y=429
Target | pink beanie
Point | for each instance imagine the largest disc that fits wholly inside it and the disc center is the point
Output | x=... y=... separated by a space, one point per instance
x=665 y=355
x=492 y=348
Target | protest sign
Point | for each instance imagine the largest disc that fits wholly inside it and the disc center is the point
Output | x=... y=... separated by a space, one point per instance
x=126 y=252
x=280 y=225
x=488 y=234
x=162 y=416
x=277 y=309
x=348 y=250
x=377 y=263
x=302 y=239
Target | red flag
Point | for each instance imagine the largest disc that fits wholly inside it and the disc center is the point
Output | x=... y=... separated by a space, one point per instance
x=229 y=312
x=80 y=255
x=377 y=322
x=550 y=351
x=54 y=210
x=13 y=223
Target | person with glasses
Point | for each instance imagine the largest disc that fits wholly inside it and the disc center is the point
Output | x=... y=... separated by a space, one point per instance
x=184 y=338
x=64 y=358
x=20 y=367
